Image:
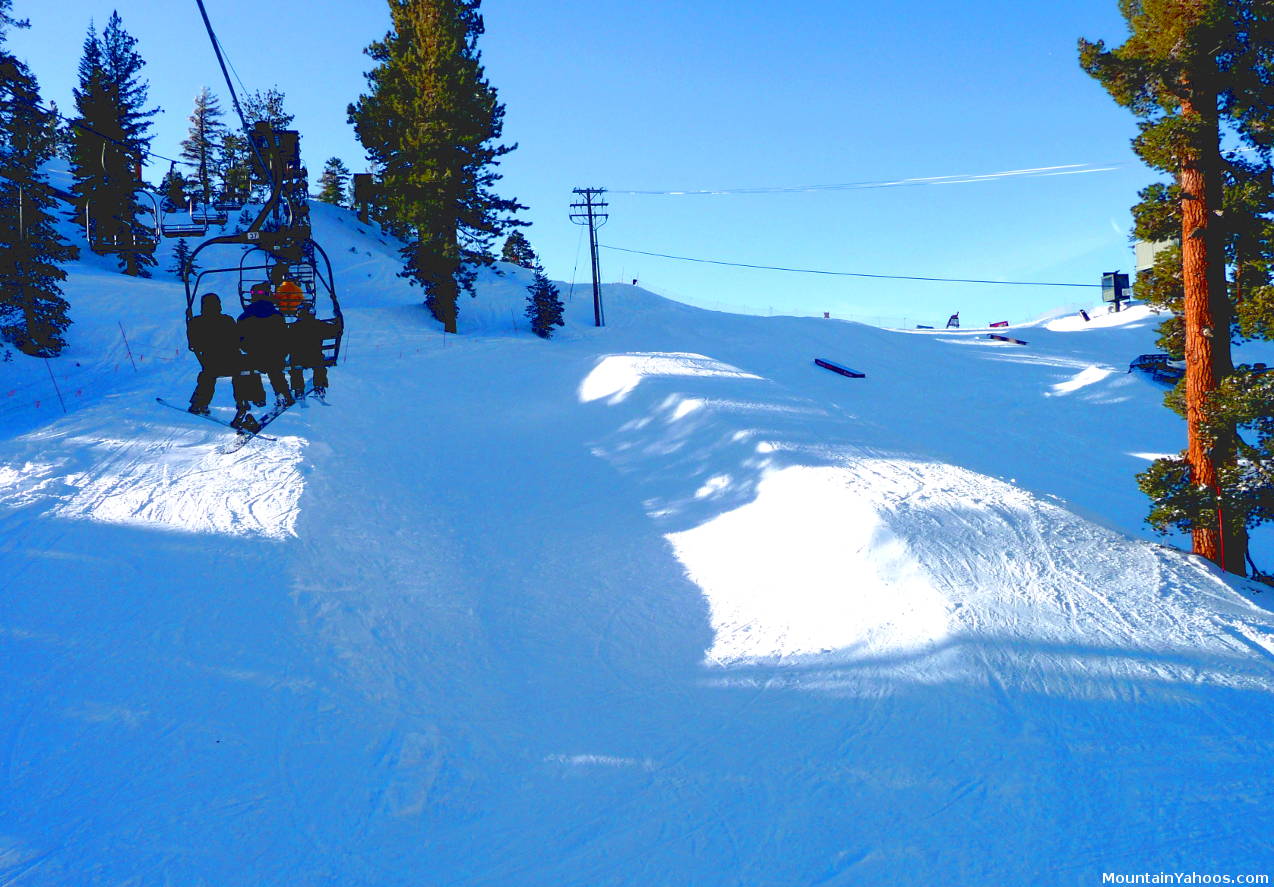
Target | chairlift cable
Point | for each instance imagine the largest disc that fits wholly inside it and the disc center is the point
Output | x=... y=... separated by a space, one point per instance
x=235 y=72
x=234 y=97
x=86 y=128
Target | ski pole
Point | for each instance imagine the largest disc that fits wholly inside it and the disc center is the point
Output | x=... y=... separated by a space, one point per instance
x=55 y=384
x=126 y=345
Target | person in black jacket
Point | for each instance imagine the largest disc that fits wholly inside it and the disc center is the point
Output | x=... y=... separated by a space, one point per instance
x=263 y=336
x=306 y=335
x=214 y=338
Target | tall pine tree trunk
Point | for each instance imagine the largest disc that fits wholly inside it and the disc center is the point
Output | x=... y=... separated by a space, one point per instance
x=447 y=290
x=431 y=262
x=1206 y=316
x=30 y=343
x=445 y=293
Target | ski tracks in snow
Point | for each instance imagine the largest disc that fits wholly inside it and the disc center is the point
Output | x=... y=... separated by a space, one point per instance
x=166 y=478
x=910 y=536
x=1047 y=630
x=740 y=646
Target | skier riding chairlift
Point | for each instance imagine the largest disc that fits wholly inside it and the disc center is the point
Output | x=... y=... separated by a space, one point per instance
x=305 y=341
x=289 y=296
x=215 y=340
x=263 y=335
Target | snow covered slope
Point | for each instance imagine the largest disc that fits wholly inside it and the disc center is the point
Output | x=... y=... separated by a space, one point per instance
x=657 y=604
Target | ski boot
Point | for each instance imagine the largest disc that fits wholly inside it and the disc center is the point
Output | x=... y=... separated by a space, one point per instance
x=199 y=411
x=243 y=421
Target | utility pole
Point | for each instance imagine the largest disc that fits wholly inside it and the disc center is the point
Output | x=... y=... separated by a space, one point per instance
x=589 y=212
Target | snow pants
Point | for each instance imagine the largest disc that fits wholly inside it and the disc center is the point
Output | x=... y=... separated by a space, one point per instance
x=297 y=379
x=210 y=370
x=248 y=389
x=253 y=389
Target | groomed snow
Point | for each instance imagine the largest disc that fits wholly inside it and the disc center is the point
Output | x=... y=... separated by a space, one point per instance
x=661 y=603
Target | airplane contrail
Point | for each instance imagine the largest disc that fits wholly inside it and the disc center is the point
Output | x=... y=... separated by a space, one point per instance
x=1064 y=169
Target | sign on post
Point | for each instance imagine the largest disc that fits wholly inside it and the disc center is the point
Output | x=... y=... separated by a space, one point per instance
x=1114 y=288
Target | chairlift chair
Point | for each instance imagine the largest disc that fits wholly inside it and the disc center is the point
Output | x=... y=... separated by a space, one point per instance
x=184 y=228
x=288 y=245
x=208 y=214
x=108 y=233
x=104 y=238
x=251 y=278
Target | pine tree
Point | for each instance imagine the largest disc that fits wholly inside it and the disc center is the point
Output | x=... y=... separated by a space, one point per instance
x=263 y=106
x=182 y=264
x=89 y=138
x=335 y=175
x=378 y=208
x=33 y=312
x=112 y=138
x=235 y=165
x=267 y=105
x=172 y=187
x=517 y=250
x=1194 y=74
x=543 y=304
x=60 y=134
x=123 y=65
x=7 y=21
x=431 y=123
x=202 y=143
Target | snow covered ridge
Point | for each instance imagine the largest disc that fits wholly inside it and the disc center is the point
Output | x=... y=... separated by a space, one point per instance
x=661 y=603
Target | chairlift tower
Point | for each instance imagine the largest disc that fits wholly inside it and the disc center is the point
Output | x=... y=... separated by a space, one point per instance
x=589 y=212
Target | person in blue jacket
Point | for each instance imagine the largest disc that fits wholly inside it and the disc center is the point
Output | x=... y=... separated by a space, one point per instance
x=263 y=338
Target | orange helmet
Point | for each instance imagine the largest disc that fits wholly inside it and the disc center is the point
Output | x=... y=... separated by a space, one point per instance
x=289 y=296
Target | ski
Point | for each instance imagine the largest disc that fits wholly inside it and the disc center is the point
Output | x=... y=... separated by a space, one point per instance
x=245 y=435
x=243 y=432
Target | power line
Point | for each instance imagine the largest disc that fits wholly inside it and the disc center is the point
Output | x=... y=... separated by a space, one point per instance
x=843 y=273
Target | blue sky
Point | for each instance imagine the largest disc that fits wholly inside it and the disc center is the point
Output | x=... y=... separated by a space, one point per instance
x=716 y=95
